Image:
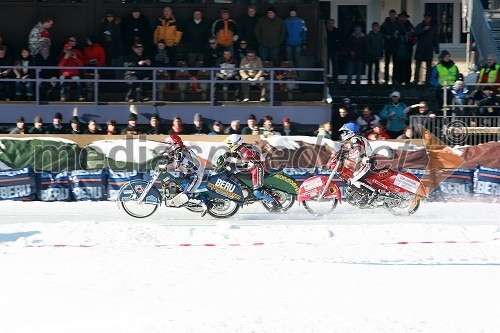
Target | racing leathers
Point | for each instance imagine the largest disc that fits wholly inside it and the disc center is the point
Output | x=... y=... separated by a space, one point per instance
x=358 y=156
x=184 y=160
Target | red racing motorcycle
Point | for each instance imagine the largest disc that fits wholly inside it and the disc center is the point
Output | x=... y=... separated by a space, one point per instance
x=399 y=192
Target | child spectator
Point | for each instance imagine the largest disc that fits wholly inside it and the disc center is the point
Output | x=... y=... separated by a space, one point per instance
x=325 y=130
x=460 y=94
x=407 y=134
x=378 y=132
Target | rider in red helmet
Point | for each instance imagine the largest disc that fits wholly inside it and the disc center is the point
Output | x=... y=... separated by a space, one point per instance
x=358 y=154
x=178 y=157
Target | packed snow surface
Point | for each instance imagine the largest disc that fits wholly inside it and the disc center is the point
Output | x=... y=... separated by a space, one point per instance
x=88 y=267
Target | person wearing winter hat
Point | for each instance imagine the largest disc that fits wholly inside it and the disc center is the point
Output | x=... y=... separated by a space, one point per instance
x=296 y=36
x=287 y=129
x=199 y=126
x=270 y=33
x=154 y=125
x=394 y=113
x=251 y=128
x=19 y=129
x=132 y=128
x=56 y=126
x=37 y=126
x=444 y=74
x=218 y=128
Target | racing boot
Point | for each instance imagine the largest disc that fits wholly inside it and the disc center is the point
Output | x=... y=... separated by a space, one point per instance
x=179 y=200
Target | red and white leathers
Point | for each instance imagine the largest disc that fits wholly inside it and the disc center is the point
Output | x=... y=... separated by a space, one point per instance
x=359 y=157
x=247 y=157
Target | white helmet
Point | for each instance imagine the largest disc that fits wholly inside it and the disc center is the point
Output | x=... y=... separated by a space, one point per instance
x=233 y=142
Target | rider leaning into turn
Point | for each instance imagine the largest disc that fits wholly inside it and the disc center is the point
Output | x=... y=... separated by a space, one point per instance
x=247 y=157
x=358 y=155
x=180 y=158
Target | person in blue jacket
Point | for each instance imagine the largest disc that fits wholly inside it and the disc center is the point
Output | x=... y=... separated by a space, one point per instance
x=394 y=113
x=296 y=36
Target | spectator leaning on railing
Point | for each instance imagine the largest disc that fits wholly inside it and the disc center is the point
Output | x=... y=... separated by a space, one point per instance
x=422 y=116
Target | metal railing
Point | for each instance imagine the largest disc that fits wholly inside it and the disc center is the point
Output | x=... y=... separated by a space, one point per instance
x=209 y=79
x=458 y=130
x=481 y=31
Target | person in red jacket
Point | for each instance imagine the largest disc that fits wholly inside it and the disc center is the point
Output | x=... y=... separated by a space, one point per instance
x=94 y=55
x=71 y=58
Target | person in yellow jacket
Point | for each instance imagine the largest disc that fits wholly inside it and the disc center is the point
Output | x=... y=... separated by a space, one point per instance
x=225 y=30
x=445 y=73
x=490 y=73
x=168 y=29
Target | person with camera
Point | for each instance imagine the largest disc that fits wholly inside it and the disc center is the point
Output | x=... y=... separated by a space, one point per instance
x=71 y=57
x=252 y=128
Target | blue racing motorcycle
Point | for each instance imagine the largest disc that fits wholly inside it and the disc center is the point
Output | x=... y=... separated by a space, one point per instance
x=219 y=196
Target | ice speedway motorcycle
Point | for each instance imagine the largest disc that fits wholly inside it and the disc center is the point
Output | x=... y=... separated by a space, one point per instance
x=282 y=188
x=218 y=196
x=399 y=192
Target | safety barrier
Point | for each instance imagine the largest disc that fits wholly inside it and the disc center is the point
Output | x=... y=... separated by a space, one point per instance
x=95 y=79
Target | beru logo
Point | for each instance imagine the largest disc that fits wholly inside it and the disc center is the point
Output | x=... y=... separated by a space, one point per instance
x=225 y=185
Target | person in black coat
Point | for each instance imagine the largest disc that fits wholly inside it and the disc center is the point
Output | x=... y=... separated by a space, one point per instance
x=247 y=27
x=195 y=37
x=137 y=59
x=426 y=33
x=135 y=28
x=333 y=41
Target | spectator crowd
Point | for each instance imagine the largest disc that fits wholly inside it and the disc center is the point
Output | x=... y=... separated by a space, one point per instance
x=133 y=42
x=250 y=43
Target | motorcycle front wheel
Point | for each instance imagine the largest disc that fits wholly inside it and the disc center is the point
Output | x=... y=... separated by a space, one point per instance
x=139 y=209
x=407 y=205
x=222 y=208
x=321 y=207
x=286 y=200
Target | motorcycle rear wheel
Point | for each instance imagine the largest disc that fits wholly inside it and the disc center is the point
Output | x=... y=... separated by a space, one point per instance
x=406 y=207
x=320 y=207
x=222 y=208
x=286 y=199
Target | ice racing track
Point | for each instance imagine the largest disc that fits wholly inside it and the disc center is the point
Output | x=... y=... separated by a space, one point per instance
x=88 y=267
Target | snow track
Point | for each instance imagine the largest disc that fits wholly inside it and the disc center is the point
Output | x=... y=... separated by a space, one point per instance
x=88 y=267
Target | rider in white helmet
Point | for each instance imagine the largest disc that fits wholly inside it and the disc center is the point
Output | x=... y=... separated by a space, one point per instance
x=178 y=157
x=359 y=154
x=249 y=158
